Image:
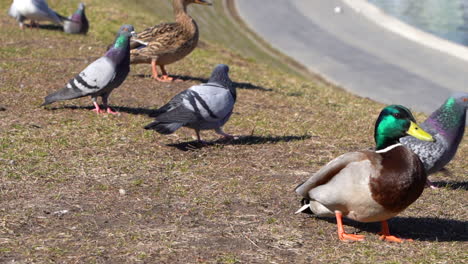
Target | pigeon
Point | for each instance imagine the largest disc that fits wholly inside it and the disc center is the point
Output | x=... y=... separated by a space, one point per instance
x=78 y=23
x=447 y=125
x=201 y=107
x=101 y=76
x=35 y=10
x=13 y=12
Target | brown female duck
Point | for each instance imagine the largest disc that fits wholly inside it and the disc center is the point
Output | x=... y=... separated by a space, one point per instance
x=167 y=42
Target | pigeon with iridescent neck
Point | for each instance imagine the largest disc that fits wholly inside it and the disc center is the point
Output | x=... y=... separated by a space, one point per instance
x=101 y=76
x=78 y=23
x=35 y=10
x=447 y=125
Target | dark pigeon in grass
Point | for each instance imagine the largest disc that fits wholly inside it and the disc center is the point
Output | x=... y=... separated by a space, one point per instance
x=201 y=107
x=447 y=126
x=35 y=10
x=101 y=76
x=78 y=23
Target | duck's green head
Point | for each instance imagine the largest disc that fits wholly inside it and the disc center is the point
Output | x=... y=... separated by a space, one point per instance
x=394 y=122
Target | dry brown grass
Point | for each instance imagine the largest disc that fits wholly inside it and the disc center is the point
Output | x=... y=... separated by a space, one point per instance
x=185 y=203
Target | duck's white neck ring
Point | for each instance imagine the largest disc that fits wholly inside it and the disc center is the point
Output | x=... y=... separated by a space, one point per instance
x=389 y=148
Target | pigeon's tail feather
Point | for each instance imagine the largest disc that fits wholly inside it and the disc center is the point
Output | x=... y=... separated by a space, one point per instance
x=60 y=95
x=12 y=12
x=158 y=112
x=164 y=128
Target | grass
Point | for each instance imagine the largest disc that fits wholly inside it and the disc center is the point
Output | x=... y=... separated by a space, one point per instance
x=80 y=188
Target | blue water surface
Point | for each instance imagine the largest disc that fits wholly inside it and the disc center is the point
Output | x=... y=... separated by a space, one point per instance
x=447 y=19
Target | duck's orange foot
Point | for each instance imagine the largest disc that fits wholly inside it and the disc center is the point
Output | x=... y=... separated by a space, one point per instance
x=165 y=78
x=393 y=239
x=350 y=237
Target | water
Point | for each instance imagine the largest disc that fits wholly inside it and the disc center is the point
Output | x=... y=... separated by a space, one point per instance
x=447 y=19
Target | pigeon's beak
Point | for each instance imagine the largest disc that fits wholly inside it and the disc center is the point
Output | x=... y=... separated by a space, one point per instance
x=134 y=34
x=202 y=2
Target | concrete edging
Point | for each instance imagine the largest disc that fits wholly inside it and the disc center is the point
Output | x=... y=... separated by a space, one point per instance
x=390 y=23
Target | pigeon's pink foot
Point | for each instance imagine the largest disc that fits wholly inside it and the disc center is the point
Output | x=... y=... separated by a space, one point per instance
x=97 y=109
x=110 y=111
x=431 y=185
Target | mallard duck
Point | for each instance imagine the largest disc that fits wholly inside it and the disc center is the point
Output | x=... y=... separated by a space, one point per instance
x=447 y=126
x=167 y=42
x=370 y=186
x=201 y=107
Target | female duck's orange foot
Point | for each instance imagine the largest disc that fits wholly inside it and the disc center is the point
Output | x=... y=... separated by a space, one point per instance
x=395 y=239
x=350 y=237
x=165 y=78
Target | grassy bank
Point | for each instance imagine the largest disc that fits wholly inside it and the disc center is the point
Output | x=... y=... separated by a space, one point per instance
x=80 y=188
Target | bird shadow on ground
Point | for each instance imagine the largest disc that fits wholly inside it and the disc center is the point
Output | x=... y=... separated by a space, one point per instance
x=239 y=85
x=242 y=140
x=422 y=229
x=119 y=109
x=49 y=27
x=453 y=185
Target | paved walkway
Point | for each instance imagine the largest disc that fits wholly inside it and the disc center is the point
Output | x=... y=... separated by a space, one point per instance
x=351 y=51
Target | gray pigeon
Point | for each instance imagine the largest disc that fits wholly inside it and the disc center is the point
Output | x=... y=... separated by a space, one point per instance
x=447 y=126
x=35 y=10
x=101 y=76
x=201 y=107
x=78 y=23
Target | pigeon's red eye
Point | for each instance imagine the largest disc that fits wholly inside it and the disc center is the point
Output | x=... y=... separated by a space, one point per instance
x=465 y=99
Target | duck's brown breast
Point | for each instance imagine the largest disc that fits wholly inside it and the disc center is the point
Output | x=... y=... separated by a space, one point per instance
x=401 y=180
